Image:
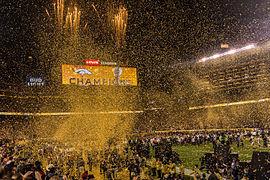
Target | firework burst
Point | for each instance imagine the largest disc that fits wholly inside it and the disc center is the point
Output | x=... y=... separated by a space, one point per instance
x=66 y=21
x=117 y=20
x=73 y=21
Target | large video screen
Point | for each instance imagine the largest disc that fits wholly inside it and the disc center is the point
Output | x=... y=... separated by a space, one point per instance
x=98 y=75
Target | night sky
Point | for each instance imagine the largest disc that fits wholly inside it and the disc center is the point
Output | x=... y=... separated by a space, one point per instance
x=159 y=33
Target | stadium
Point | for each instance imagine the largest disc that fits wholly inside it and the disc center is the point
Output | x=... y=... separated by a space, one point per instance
x=234 y=104
x=124 y=90
x=226 y=90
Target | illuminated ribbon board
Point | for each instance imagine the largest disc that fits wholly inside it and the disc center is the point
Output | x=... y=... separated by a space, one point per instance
x=233 y=51
x=65 y=113
x=229 y=104
x=199 y=130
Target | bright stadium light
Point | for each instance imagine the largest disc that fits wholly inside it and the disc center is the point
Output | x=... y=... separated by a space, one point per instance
x=249 y=47
x=216 y=56
x=203 y=59
x=229 y=104
x=233 y=51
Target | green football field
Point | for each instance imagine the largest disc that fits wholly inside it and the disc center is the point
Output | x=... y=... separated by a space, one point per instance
x=190 y=154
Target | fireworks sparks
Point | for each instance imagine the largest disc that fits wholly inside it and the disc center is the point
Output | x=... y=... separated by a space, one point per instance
x=120 y=25
x=47 y=12
x=96 y=12
x=117 y=20
x=85 y=27
x=66 y=21
x=73 y=21
x=59 y=13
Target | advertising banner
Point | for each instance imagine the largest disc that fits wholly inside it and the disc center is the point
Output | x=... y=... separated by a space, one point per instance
x=92 y=62
x=35 y=81
x=98 y=75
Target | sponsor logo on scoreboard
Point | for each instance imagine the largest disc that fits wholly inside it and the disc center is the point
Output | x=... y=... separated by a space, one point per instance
x=91 y=62
x=35 y=81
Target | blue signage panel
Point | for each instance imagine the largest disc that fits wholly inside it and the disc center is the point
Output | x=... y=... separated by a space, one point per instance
x=36 y=81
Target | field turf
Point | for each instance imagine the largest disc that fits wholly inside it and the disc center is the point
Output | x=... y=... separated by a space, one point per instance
x=191 y=154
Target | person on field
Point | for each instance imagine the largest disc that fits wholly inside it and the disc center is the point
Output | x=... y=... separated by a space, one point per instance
x=181 y=171
x=196 y=173
x=212 y=175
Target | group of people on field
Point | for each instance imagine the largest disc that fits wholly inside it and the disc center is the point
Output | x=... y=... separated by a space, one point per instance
x=143 y=156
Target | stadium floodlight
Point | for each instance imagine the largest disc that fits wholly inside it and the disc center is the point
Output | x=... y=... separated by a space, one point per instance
x=229 y=104
x=203 y=59
x=233 y=51
x=216 y=56
x=249 y=47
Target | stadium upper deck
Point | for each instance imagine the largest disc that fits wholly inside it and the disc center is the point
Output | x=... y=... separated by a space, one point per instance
x=242 y=70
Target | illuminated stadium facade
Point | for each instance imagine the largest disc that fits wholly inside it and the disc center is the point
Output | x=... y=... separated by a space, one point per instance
x=237 y=71
x=234 y=87
x=226 y=90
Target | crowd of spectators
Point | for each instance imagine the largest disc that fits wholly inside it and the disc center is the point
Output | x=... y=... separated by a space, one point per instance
x=144 y=157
